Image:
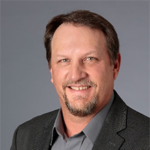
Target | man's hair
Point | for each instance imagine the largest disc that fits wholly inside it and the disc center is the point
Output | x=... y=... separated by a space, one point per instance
x=88 y=19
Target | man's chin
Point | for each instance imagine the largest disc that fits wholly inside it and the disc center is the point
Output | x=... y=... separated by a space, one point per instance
x=82 y=111
x=79 y=105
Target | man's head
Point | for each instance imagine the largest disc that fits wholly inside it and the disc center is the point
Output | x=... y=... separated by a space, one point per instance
x=84 y=60
x=83 y=18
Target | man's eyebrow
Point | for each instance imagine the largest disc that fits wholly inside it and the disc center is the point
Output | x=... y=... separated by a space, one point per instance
x=61 y=55
x=88 y=53
x=91 y=52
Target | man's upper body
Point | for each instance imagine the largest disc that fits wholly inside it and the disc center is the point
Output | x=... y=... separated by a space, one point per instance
x=123 y=129
x=82 y=50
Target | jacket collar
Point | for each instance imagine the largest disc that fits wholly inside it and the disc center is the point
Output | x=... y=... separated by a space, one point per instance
x=115 y=122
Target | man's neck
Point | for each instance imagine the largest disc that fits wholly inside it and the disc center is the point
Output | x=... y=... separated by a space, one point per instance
x=75 y=124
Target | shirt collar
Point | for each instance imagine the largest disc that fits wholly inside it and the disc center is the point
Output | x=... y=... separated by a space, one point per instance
x=91 y=130
x=58 y=128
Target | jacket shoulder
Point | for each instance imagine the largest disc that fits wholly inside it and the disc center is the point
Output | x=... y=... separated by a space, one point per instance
x=36 y=124
x=138 y=122
x=41 y=120
x=26 y=133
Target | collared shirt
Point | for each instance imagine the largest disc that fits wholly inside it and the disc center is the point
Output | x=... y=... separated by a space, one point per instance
x=83 y=140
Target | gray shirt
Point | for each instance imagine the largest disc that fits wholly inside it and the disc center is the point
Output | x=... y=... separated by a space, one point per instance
x=83 y=140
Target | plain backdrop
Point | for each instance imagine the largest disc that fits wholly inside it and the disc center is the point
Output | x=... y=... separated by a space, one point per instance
x=26 y=90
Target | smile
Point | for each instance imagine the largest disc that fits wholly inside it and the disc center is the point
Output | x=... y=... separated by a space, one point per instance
x=79 y=88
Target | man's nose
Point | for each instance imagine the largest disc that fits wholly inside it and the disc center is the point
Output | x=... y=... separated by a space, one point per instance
x=77 y=72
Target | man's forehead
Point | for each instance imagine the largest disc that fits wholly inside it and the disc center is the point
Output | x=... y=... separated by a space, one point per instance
x=69 y=31
x=73 y=39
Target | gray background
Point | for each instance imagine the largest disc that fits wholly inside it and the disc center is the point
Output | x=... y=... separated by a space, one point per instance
x=26 y=90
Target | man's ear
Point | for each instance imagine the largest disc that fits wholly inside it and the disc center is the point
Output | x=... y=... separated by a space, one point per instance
x=50 y=69
x=51 y=75
x=117 y=66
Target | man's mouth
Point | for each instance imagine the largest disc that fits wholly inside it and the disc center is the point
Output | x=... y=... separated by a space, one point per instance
x=79 y=88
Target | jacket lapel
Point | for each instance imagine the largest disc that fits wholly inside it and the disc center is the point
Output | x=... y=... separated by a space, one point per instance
x=42 y=140
x=43 y=137
x=115 y=122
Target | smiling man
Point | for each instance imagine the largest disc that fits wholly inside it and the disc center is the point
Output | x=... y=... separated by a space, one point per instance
x=82 y=50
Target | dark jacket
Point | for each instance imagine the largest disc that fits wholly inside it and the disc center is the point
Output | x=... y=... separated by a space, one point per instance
x=123 y=129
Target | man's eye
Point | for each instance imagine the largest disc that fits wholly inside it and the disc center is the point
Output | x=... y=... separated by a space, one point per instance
x=90 y=58
x=64 y=60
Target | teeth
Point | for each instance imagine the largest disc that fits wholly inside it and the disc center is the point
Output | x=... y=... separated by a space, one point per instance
x=79 y=88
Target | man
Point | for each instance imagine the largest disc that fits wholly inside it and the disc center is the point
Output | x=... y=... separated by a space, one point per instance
x=82 y=50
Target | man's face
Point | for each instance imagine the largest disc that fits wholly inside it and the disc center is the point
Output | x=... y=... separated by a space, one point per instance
x=81 y=70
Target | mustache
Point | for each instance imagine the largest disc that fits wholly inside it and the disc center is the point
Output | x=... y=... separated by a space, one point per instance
x=81 y=82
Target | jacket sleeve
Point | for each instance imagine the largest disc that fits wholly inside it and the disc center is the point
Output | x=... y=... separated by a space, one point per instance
x=14 y=141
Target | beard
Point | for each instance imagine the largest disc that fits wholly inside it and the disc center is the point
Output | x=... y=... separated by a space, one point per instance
x=89 y=108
